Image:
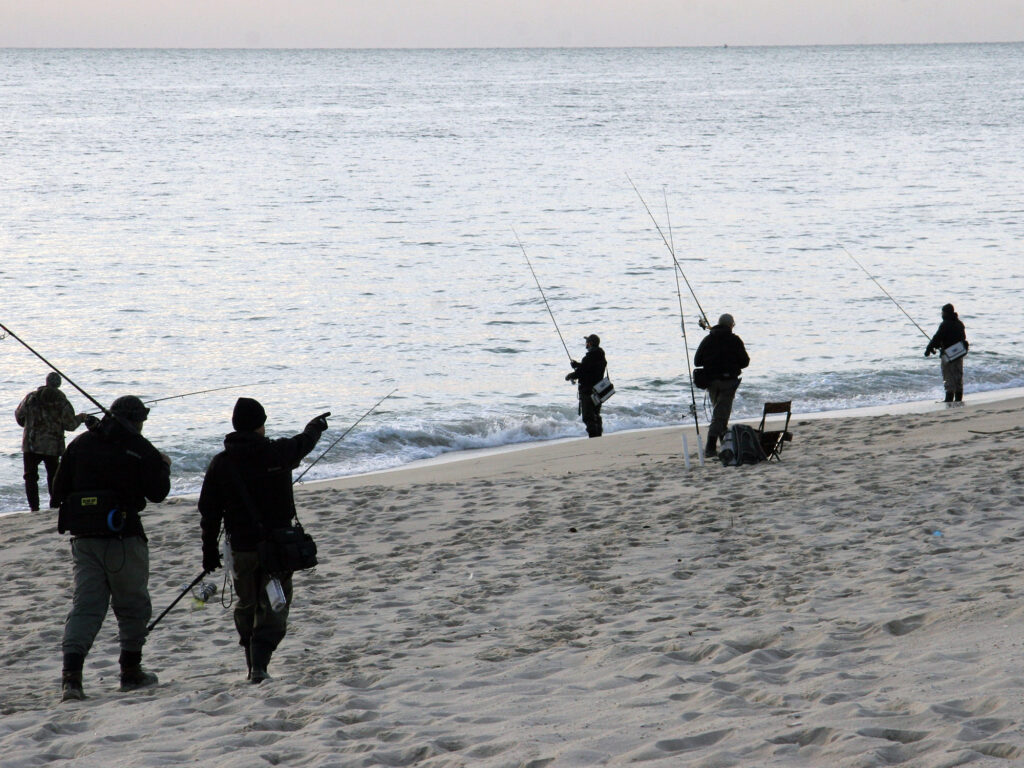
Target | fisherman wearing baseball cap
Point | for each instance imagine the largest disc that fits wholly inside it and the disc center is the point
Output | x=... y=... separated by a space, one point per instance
x=589 y=372
x=103 y=482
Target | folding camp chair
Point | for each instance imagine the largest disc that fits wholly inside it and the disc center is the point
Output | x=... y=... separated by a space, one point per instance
x=772 y=441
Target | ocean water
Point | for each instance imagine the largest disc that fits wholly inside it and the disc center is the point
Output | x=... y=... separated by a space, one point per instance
x=316 y=228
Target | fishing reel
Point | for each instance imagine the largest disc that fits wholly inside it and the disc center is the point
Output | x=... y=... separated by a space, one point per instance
x=703 y=323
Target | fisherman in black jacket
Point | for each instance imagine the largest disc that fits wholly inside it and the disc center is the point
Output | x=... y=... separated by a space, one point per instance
x=111 y=469
x=723 y=356
x=951 y=330
x=589 y=372
x=248 y=486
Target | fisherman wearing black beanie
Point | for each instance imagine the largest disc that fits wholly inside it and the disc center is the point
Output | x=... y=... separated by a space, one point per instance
x=248 y=488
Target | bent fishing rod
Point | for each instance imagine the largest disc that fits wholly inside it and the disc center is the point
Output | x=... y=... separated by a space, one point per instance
x=57 y=370
x=704 y=322
x=686 y=344
x=329 y=447
x=542 y=294
x=922 y=330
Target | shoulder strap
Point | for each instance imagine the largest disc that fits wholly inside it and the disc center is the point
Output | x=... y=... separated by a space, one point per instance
x=243 y=492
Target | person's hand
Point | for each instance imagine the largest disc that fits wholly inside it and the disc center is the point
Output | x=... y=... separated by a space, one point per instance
x=211 y=559
x=929 y=352
x=575 y=365
x=319 y=423
x=570 y=376
x=90 y=421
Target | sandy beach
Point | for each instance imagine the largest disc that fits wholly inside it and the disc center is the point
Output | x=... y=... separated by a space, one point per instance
x=583 y=603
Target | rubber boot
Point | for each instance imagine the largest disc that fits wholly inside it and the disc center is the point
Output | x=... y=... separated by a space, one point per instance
x=260 y=656
x=133 y=676
x=71 y=677
x=949 y=395
x=709 y=449
x=248 y=663
x=958 y=396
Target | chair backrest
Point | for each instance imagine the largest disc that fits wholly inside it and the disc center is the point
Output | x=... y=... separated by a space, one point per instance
x=785 y=407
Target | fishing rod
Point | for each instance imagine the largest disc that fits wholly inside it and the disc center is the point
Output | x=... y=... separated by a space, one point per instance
x=686 y=344
x=329 y=447
x=922 y=330
x=167 y=610
x=542 y=293
x=57 y=370
x=703 y=322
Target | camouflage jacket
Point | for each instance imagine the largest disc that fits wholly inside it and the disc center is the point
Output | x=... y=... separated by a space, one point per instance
x=46 y=414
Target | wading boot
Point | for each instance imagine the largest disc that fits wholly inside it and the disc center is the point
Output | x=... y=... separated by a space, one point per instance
x=133 y=676
x=71 y=686
x=260 y=661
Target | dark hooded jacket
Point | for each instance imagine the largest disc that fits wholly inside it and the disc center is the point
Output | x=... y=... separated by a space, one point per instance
x=951 y=330
x=249 y=486
x=590 y=370
x=114 y=457
x=722 y=354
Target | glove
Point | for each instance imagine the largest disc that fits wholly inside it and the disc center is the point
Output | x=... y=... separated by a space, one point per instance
x=575 y=365
x=570 y=376
x=929 y=352
x=90 y=421
x=211 y=559
x=319 y=423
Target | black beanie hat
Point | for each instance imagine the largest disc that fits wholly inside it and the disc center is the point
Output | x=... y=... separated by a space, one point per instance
x=248 y=415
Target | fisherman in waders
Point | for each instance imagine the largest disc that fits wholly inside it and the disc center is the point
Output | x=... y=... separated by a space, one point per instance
x=723 y=356
x=951 y=330
x=589 y=372
x=248 y=486
x=46 y=415
x=103 y=482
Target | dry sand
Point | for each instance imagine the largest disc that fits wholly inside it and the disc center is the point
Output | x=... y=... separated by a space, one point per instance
x=583 y=603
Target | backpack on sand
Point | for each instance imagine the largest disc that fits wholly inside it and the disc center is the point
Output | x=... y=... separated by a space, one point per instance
x=741 y=444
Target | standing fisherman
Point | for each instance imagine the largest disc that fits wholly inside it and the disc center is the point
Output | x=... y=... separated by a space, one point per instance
x=589 y=372
x=951 y=330
x=102 y=484
x=248 y=486
x=723 y=356
x=46 y=415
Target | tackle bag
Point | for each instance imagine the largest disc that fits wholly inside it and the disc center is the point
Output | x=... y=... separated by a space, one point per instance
x=741 y=444
x=702 y=378
x=90 y=514
x=284 y=550
x=954 y=352
x=602 y=391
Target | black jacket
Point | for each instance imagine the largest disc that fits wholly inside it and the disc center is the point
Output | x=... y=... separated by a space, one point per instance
x=590 y=370
x=722 y=354
x=263 y=467
x=951 y=330
x=114 y=457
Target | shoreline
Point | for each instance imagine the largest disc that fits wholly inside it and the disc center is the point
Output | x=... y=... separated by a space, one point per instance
x=473 y=461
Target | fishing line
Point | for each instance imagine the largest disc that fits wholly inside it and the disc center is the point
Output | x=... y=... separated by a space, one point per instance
x=389 y=394
x=203 y=392
x=703 y=322
x=542 y=293
x=922 y=330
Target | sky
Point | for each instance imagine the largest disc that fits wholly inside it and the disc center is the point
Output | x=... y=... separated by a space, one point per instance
x=501 y=23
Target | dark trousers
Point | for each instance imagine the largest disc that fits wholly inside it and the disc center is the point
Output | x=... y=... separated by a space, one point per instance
x=32 y=461
x=260 y=628
x=722 y=393
x=591 y=415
